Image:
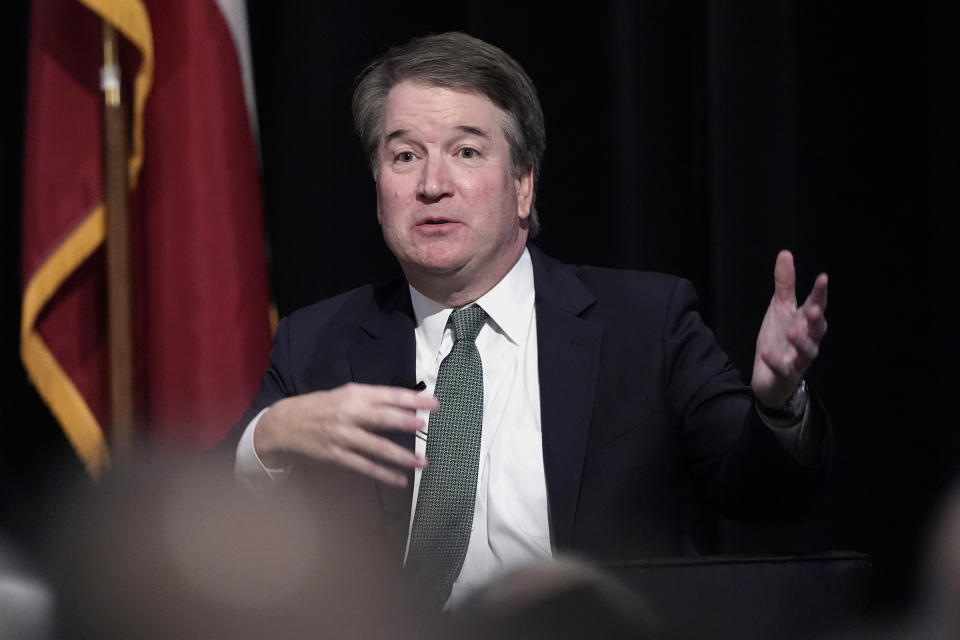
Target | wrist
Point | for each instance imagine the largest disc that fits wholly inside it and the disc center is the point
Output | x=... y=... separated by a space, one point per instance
x=794 y=407
x=265 y=441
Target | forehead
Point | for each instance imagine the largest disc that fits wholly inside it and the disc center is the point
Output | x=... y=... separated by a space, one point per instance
x=427 y=108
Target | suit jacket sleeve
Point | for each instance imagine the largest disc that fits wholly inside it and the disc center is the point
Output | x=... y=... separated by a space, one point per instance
x=275 y=384
x=736 y=459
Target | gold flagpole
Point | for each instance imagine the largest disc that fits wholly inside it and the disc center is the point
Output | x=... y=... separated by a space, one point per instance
x=120 y=315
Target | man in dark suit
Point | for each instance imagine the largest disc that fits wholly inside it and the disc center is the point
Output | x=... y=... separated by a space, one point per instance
x=605 y=399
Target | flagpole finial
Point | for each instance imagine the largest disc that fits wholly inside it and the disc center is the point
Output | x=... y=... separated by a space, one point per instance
x=110 y=73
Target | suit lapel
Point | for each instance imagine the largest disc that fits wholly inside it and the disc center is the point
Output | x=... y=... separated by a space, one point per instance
x=569 y=356
x=384 y=353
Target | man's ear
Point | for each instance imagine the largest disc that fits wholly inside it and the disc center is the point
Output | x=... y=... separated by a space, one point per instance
x=524 y=184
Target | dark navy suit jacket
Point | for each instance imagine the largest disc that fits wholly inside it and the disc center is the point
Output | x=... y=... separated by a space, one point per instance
x=641 y=411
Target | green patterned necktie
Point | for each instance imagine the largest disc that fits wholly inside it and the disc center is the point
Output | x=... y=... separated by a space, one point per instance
x=448 y=485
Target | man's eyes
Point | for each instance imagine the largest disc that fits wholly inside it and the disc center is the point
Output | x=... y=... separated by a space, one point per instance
x=406 y=157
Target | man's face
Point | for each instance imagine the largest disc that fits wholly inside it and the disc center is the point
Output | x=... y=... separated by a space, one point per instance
x=449 y=207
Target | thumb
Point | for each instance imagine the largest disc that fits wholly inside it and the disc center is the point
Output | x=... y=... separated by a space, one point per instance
x=785 y=279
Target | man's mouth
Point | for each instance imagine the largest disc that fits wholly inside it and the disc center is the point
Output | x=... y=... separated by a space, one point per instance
x=437 y=225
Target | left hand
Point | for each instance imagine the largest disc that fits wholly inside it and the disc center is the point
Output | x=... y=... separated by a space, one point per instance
x=789 y=337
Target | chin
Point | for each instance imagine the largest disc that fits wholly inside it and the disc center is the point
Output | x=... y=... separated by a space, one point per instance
x=437 y=267
x=438 y=259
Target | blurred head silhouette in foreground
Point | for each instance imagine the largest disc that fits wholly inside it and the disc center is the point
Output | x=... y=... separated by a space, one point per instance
x=942 y=600
x=936 y=614
x=162 y=549
x=564 y=598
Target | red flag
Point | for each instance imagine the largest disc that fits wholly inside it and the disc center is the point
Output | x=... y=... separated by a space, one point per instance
x=200 y=291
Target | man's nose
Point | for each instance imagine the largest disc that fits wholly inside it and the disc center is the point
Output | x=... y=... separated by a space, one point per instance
x=435 y=180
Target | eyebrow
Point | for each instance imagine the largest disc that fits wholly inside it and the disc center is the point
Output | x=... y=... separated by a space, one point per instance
x=476 y=131
x=465 y=128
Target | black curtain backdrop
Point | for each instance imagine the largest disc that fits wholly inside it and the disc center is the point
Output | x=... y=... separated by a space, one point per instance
x=35 y=458
x=696 y=138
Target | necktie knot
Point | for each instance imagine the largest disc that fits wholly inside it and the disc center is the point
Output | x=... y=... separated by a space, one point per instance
x=467 y=322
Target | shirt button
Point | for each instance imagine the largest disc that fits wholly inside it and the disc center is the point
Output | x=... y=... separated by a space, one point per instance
x=473 y=527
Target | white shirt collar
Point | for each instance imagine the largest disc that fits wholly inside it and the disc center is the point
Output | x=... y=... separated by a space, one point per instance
x=507 y=304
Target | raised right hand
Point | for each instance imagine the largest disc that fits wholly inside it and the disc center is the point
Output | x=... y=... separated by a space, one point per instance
x=339 y=427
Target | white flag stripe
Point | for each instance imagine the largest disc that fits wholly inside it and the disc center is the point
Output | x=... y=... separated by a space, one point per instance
x=235 y=14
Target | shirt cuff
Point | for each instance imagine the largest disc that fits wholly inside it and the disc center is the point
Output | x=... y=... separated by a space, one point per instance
x=249 y=470
x=799 y=437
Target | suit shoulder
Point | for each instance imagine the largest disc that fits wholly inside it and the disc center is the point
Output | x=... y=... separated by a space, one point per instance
x=322 y=310
x=651 y=288
x=346 y=307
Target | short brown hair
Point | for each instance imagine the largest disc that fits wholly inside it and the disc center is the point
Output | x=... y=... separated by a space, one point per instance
x=457 y=61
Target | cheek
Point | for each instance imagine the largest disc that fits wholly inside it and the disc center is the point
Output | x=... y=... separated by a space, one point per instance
x=474 y=188
x=390 y=197
x=502 y=194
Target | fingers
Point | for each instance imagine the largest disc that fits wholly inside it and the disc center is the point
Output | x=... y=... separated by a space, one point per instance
x=818 y=295
x=816 y=323
x=375 y=445
x=792 y=356
x=367 y=467
x=785 y=279
x=376 y=407
x=363 y=451
x=805 y=349
x=362 y=395
x=341 y=427
x=386 y=418
x=814 y=307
